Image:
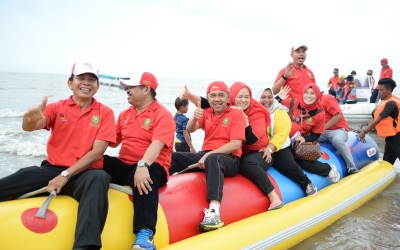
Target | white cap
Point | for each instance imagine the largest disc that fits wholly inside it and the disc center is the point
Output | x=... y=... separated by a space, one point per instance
x=80 y=68
x=299 y=45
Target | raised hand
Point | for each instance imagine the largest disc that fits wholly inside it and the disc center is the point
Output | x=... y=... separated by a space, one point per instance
x=198 y=112
x=284 y=92
x=185 y=93
x=35 y=113
x=289 y=69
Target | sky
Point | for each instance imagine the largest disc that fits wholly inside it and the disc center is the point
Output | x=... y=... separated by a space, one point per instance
x=212 y=39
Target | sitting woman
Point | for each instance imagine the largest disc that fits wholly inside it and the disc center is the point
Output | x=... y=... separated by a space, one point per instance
x=350 y=91
x=340 y=88
x=279 y=143
x=254 y=162
x=308 y=119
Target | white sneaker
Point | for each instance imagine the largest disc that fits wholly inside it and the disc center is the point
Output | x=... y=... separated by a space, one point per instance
x=334 y=174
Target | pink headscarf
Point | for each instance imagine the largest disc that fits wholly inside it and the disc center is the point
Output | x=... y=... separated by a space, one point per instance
x=254 y=105
x=318 y=94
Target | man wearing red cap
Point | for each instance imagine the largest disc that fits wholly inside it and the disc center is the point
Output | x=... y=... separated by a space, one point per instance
x=222 y=148
x=386 y=72
x=146 y=133
x=81 y=130
x=296 y=75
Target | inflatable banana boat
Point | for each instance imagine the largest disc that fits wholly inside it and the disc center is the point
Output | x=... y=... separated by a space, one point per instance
x=244 y=210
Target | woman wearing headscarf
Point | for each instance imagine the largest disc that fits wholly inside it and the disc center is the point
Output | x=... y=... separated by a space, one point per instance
x=308 y=120
x=279 y=143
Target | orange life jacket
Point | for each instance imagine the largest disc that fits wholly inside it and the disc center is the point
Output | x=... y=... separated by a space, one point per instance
x=387 y=126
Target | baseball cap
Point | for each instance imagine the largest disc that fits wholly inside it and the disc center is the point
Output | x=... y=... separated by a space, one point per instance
x=385 y=60
x=147 y=79
x=80 y=68
x=296 y=46
x=218 y=85
x=342 y=77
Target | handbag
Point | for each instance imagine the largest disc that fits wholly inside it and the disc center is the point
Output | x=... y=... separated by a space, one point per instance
x=310 y=151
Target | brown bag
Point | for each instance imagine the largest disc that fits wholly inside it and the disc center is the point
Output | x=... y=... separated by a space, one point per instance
x=310 y=151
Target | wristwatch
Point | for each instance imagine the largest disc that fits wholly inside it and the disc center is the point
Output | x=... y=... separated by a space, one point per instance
x=142 y=163
x=284 y=77
x=65 y=174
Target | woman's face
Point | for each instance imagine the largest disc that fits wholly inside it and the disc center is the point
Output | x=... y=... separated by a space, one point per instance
x=242 y=99
x=267 y=99
x=309 y=96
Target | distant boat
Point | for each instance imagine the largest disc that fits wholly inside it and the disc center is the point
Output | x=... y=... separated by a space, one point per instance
x=359 y=114
x=111 y=81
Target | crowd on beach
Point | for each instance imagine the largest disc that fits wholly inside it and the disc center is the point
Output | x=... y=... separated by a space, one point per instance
x=246 y=132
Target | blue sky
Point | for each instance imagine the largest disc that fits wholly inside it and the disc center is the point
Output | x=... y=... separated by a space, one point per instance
x=213 y=39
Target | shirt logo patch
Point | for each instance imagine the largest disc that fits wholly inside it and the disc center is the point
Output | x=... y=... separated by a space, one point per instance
x=63 y=117
x=146 y=123
x=95 y=121
x=225 y=122
x=309 y=120
x=309 y=75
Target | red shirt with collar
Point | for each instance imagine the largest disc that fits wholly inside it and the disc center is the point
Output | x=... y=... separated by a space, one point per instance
x=74 y=131
x=220 y=130
x=333 y=82
x=331 y=108
x=297 y=80
x=386 y=72
x=137 y=131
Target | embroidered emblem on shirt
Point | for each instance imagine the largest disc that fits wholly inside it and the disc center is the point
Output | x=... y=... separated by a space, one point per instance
x=225 y=122
x=309 y=120
x=146 y=123
x=63 y=117
x=95 y=121
x=309 y=75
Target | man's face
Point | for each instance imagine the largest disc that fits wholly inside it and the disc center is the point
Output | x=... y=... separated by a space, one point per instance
x=384 y=64
x=335 y=72
x=369 y=73
x=383 y=92
x=136 y=94
x=84 y=86
x=218 y=100
x=299 y=56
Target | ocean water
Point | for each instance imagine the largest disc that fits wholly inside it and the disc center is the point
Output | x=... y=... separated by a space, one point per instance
x=376 y=225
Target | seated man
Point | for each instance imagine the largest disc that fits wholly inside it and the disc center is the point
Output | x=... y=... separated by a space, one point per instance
x=350 y=92
x=222 y=148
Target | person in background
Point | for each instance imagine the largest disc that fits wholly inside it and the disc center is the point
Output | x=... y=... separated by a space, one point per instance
x=333 y=81
x=81 y=130
x=224 y=129
x=341 y=86
x=385 y=120
x=183 y=141
x=386 y=70
x=350 y=91
x=308 y=119
x=146 y=131
x=296 y=74
x=374 y=89
x=279 y=142
x=335 y=131
x=356 y=81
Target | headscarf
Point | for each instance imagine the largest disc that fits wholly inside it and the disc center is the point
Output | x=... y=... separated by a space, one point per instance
x=317 y=103
x=254 y=105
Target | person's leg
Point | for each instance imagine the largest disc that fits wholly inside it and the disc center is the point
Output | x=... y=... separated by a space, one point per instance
x=90 y=189
x=26 y=180
x=374 y=96
x=391 y=153
x=315 y=167
x=285 y=164
x=181 y=160
x=254 y=168
x=182 y=147
x=332 y=92
x=146 y=205
x=338 y=140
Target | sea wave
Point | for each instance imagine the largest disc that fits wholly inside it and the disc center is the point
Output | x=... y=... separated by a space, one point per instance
x=25 y=149
x=11 y=113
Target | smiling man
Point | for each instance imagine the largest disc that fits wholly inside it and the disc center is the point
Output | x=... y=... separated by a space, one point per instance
x=222 y=148
x=296 y=75
x=81 y=130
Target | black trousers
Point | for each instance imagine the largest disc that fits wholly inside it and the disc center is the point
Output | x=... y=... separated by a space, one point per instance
x=253 y=167
x=217 y=166
x=392 y=152
x=89 y=188
x=285 y=164
x=315 y=167
x=145 y=206
x=182 y=147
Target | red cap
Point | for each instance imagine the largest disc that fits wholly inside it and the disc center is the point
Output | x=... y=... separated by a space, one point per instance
x=384 y=60
x=148 y=79
x=221 y=86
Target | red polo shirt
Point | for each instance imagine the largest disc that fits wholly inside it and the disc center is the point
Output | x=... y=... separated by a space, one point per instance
x=386 y=72
x=73 y=131
x=333 y=82
x=331 y=108
x=137 y=131
x=297 y=80
x=220 y=130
